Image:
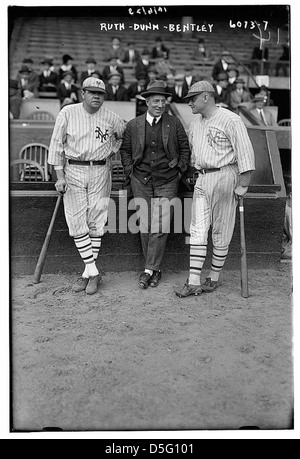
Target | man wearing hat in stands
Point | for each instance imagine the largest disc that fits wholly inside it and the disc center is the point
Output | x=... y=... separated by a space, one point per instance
x=48 y=80
x=28 y=86
x=264 y=116
x=155 y=153
x=177 y=89
x=189 y=79
x=90 y=69
x=67 y=66
x=84 y=138
x=134 y=93
x=222 y=94
x=66 y=90
x=114 y=89
x=221 y=65
x=113 y=67
x=239 y=95
x=223 y=155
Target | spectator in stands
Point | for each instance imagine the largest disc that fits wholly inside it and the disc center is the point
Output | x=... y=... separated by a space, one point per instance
x=221 y=65
x=131 y=54
x=259 y=60
x=222 y=95
x=29 y=88
x=48 y=80
x=160 y=50
x=152 y=74
x=143 y=64
x=134 y=93
x=176 y=91
x=233 y=74
x=283 y=63
x=34 y=76
x=113 y=67
x=115 y=51
x=189 y=79
x=15 y=99
x=67 y=66
x=164 y=68
x=90 y=69
x=202 y=53
x=67 y=91
x=265 y=117
x=265 y=91
x=115 y=90
x=239 y=95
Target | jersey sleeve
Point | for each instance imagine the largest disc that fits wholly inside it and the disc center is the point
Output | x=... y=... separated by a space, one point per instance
x=242 y=147
x=56 y=148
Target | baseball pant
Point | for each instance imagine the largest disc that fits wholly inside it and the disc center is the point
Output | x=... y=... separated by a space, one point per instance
x=155 y=217
x=214 y=204
x=87 y=198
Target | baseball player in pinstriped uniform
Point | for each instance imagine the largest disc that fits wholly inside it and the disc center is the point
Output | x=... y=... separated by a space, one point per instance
x=85 y=135
x=223 y=154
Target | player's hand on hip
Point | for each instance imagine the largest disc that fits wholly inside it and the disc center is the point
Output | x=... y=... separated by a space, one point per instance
x=240 y=191
x=60 y=186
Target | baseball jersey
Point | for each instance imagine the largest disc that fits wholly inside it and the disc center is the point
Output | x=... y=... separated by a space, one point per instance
x=85 y=137
x=219 y=141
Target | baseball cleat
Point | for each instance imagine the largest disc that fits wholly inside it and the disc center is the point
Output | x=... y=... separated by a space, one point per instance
x=93 y=283
x=144 y=280
x=188 y=290
x=209 y=285
x=156 y=276
x=80 y=284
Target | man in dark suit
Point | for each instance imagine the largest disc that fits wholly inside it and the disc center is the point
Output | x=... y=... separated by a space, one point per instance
x=67 y=92
x=131 y=54
x=115 y=90
x=112 y=68
x=259 y=60
x=221 y=65
x=143 y=64
x=134 y=91
x=189 y=79
x=48 y=80
x=155 y=153
x=90 y=69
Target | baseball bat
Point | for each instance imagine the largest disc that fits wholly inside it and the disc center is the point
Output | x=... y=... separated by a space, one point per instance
x=43 y=253
x=244 y=270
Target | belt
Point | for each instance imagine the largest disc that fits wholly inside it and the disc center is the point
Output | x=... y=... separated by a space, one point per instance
x=100 y=162
x=205 y=171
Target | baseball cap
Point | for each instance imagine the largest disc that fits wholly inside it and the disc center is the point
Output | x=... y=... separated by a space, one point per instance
x=93 y=84
x=198 y=88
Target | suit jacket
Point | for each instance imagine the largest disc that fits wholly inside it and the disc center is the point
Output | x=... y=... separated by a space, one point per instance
x=52 y=79
x=63 y=92
x=235 y=98
x=140 y=67
x=175 y=142
x=185 y=87
x=268 y=115
x=121 y=94
x=175 y=97
x=218 y=68
x=85 y=74
x=133 y=90
x=137 y=56
x=107 y=71
x=160 y=53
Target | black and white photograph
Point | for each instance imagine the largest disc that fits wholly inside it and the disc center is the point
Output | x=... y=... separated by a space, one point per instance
x=150 y=223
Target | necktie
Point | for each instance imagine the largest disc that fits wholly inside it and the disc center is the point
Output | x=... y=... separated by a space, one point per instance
x=263 y=118
x=154 y=121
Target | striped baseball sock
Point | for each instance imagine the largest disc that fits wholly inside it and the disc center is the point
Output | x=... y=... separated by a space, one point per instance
x=96 y=244
x=84 y=247
x=218 y=259
x=197 y=259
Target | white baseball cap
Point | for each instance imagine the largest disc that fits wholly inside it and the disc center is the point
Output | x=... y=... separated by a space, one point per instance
x=93 y=84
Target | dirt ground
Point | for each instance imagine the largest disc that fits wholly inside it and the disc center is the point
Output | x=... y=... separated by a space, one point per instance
x=127 y=359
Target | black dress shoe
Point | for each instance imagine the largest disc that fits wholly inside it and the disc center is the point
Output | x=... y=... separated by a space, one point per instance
x=144 y=280
x=156 y=276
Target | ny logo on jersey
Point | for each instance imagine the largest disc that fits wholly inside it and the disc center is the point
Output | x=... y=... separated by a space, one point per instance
x=215 y=137
x=99 y=134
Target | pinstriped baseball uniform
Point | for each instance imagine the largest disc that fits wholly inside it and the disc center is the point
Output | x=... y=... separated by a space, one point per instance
x=82 y=136
x=220 y=141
